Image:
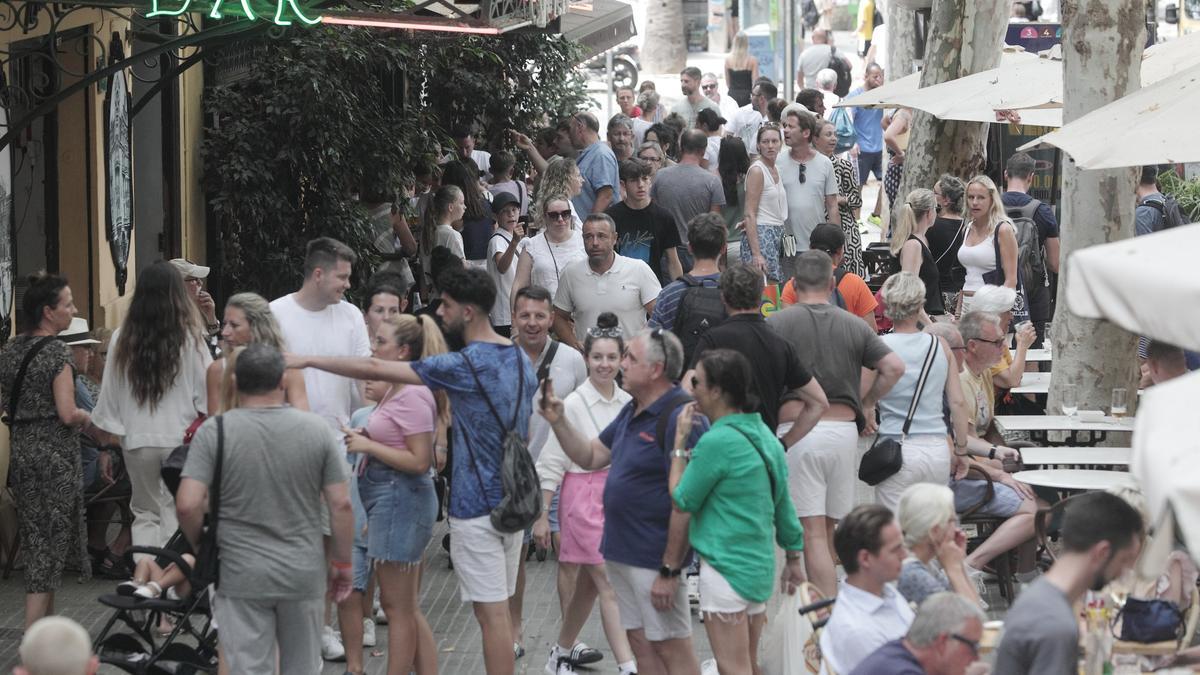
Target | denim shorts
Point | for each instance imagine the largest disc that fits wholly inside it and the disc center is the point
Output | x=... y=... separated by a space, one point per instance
x=401 y=509
x=358 y=551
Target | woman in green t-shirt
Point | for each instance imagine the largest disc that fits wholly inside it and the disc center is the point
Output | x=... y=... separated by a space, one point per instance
x=734 y=484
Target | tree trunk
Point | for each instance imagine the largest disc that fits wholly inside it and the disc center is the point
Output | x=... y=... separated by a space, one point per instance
x=664 y=48
x=1102 y=42
x=901 y=27
x=965 y=38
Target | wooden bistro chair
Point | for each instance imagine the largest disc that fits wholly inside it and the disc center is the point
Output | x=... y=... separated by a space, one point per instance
x=984 y=525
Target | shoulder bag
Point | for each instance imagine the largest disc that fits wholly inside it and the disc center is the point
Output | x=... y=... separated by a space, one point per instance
x=208 y=558
x=996 y=277
x=886 y=455
x=10 y=416
x=763 y=455
x=521 y=503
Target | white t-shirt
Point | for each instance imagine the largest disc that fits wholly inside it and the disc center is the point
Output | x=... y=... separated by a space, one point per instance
x=623 y=290
x=501 y=313
x=336 y=330
x=447 y=236
x=713 y=153
x=550 y=259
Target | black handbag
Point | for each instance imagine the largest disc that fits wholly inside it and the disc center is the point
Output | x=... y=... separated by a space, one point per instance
x=1150 y=620
x=886 y=455
x=208 y=556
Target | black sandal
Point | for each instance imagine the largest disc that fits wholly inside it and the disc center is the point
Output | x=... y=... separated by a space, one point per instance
x=108 y=565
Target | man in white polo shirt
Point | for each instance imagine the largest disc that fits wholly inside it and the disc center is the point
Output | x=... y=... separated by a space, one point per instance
x=605 y=282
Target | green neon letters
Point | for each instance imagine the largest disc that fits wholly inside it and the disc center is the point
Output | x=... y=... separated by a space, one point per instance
x=215 y=13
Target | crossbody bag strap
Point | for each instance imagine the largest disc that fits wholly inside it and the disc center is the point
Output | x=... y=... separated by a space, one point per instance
x=544 y=370
x=488 y=401
x=552 y=258
x=921 y=379
x=19 y=382
x=763 y=456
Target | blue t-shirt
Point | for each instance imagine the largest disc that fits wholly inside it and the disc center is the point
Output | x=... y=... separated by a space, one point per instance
x=668 y=299
x=867 y=125
x=892 y=658
x=598 y=166
x=478 y=439
x=637 y=504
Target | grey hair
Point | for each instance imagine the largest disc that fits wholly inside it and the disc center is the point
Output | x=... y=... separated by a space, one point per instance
x=668 y=351
x=827 y=78
x=993 y=299
x=814 y=271
x=922 y=507
x=903 y=296
x=259 y=369
x=946 y=330
x=972 y=323
x=941 y=614
x=620 y=119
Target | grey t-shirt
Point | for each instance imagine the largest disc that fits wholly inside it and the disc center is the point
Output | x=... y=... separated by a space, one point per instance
x=834 y=345
x=276 y=462
x=688 y=111
x=806 y=201
x=812 y=61
x=686 y=191
x=1041 y=636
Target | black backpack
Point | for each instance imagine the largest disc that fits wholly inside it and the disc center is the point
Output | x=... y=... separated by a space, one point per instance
x=839 y=65
x=1169 y=213
x=699 y=309
x=1031 y=259
x=810 y=13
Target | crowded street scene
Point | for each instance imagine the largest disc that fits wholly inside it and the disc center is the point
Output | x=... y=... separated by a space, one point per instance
x=741 y=337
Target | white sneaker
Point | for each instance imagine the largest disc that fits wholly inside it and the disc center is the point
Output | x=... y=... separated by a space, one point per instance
x=331 y=646
x=380 y=617
x=559 y=662
x=709 y=667
x=368 y=633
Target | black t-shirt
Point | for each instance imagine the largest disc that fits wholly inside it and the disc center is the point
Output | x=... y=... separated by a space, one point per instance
x=777 y=368
x=645 y=234
x=945 y=238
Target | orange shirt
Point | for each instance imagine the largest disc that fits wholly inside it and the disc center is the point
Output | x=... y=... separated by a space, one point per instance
x=859 y=299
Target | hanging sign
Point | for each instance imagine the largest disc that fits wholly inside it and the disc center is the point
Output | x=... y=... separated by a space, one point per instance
x=281 y=13
x=118 y=167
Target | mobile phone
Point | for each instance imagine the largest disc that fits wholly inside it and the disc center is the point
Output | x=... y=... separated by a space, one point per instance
x=546 y=384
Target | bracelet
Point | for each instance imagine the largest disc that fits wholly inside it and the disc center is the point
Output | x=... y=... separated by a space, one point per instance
x=341 y=565
x=798 y=554
x=681 y=453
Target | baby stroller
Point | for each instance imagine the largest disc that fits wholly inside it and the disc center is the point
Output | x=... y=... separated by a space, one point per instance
x=191 y=646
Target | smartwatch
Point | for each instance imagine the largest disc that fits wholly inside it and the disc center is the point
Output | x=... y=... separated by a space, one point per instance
x=667 y=573
x=992 y=453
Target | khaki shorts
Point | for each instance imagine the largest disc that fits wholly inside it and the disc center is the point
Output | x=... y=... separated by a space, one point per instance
x=632 y=585
x=485 y=560
x=821 y=470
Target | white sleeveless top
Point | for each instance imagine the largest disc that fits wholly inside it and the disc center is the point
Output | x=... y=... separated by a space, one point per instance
x=549 y=258
x=979 y=260
x=773 y=205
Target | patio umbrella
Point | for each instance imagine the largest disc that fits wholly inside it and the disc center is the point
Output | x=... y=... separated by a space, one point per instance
x=1153 y=125
x=1141 y=284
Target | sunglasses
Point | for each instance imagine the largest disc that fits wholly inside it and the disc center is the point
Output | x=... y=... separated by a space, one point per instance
x=598 y=332
x=803 y=170
x=558 y=215
x=973 y=645
x=706 y=87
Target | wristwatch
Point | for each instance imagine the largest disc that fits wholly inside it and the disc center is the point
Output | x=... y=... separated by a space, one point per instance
x=667 y=573
x=992 y=453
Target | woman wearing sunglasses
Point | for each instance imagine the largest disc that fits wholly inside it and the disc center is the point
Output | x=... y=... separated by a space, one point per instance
x=543 y=256
x=734 y=483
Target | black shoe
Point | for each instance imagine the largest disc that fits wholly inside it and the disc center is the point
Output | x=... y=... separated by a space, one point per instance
x=582 y=655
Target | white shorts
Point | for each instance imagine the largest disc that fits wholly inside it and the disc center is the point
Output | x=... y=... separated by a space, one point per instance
x=485 y=560
x=821 y=476
x=716 y=595
x=632 y=586
x=926 y=460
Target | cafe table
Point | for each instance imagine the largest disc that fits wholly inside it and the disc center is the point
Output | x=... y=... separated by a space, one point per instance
x=1076 y=480
x=1033 y=383
x=1076 y=457
x=1079 y=433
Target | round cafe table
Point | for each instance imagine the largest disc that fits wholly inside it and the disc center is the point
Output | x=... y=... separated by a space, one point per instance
x=1076 y=479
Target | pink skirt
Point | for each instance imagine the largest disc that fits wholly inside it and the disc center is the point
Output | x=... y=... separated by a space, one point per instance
x=581 y=517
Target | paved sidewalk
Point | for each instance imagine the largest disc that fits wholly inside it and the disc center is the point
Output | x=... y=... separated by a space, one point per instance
x=453 y=624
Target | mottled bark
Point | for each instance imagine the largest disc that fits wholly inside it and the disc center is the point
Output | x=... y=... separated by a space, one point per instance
x=1102 y=52
x=901 y=27
x=965 y=38
x=664 y=49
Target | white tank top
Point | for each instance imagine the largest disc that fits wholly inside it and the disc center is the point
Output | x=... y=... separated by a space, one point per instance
x=772 y=206
x=979 y=260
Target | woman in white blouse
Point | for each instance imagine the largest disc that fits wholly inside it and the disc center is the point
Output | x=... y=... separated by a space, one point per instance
x=153 y=389
x=590 y=408
x=544 y=256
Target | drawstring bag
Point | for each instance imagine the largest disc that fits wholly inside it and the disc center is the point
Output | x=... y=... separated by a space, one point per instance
x=1150 y=620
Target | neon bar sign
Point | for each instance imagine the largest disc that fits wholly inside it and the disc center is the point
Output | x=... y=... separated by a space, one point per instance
x=282 y=16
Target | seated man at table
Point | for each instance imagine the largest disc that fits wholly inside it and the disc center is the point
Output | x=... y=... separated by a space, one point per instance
x=979 y=345
x=869 y=611
x=943 y=640
x=999 y=300
x=1163 y=362
x=1101 y=538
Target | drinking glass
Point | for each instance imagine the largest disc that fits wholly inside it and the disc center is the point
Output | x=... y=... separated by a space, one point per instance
x=1118 y=402
x=1070 y=400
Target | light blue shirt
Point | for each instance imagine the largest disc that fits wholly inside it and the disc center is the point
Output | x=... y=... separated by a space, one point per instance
x=893 y=408
x=867 y=125
x=598 y=166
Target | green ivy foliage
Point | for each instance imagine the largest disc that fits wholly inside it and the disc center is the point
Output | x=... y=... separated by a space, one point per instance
x=330 y=112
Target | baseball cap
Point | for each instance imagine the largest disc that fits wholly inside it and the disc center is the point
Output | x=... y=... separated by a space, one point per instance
x=77 y=333
x=189 y=269
x=503 y=199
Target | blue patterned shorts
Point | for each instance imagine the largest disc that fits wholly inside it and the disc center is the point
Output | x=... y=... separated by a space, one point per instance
x=768 y=243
